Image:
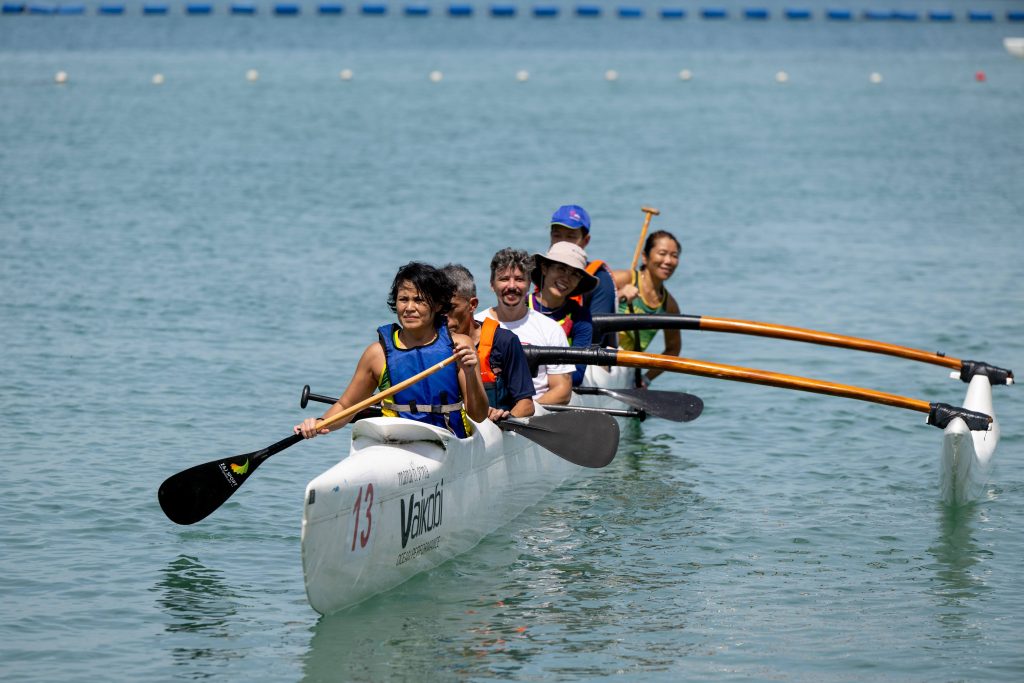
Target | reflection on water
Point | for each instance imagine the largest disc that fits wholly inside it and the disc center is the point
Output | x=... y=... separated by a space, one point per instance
x=569 y=576
x=198 y=603
x=456 y=614
x=958 y=582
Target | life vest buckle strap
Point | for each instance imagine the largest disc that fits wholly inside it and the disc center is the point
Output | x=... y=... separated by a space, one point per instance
x=413 y=407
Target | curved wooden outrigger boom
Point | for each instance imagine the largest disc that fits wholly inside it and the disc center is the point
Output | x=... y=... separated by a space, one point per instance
x=966 y=368
x=939 y=414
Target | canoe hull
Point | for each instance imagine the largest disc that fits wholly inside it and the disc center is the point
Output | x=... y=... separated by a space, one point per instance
x=966 y=459
x=615 y=377
x=410 y=496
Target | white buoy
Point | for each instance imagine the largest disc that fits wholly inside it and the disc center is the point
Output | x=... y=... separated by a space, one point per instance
x=345 y=74
x=782 y=77
x=685 y=75
x=436 y=76
x=875 y=77
x=522 y=75
x=252 y=75
x=158 y=79
x=611 y=75
x=60 y=78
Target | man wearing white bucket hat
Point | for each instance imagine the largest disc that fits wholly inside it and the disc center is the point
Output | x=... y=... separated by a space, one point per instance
x=561 y=277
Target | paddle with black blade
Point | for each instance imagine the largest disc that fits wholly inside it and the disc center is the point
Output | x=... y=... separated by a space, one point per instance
x=668 y=405
x=585 y=439
x=191 y=495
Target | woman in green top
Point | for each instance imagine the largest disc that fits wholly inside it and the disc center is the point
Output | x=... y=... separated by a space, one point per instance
x=643 y=291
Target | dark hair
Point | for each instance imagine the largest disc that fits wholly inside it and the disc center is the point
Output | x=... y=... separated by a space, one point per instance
x=655 y=236
x=432 y=284
x=461 y=279
x=511 y=258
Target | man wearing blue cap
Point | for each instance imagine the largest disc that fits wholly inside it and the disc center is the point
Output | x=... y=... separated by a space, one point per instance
x=571 y=223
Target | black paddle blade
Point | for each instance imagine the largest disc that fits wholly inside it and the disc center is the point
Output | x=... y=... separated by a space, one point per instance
x=668 y=405
x=191 y=495
x=586 y=439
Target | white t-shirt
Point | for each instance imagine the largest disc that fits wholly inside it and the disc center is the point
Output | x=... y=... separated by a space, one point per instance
x=539 y=330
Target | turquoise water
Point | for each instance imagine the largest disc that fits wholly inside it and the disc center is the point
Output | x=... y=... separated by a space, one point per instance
x=176 y=261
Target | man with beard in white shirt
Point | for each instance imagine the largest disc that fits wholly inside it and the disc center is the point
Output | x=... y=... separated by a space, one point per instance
x=510 y=281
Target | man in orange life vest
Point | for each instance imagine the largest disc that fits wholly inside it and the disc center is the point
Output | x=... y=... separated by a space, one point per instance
x=503 y=365
x=571 y=223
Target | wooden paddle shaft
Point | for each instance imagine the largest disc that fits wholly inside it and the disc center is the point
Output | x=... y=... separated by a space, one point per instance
x=739 y=374
x=648 y=211
x=390 y=391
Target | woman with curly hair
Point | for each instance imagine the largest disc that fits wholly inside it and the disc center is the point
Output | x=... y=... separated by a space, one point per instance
x=420 y=296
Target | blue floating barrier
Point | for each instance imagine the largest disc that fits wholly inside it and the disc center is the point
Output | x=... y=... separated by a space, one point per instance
x=798 y=13
x=330 y=8
x=503 y=10
x=70 y=10
x=417 y=10
x=630 y=13
x=905 y=15
x=839 y=14
x=12 y=8
x=877 y=15
x=246 y=8
x=374 y=10
x=588 y=11
x=198 y=8
x=286 y=9
x=42 y=9
x=111 y=9
x=940 y=15
x=545 y=11
x=1014 y=15
x=714 y=13
x=154 y=9
x=673 y=13
x=460 y=10
x=755 y=13
x=981 y=15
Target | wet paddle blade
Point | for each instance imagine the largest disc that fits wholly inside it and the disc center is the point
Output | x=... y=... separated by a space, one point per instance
x=586 y=439
x=668 y=405
x=191 y=495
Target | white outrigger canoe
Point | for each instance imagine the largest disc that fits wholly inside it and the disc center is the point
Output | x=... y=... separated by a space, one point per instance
x=410 y=496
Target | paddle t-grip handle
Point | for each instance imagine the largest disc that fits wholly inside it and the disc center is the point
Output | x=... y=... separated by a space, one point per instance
x=319 y=398
x=648 y=213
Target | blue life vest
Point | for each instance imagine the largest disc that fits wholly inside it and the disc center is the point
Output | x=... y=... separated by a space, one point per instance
x=437 y=399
